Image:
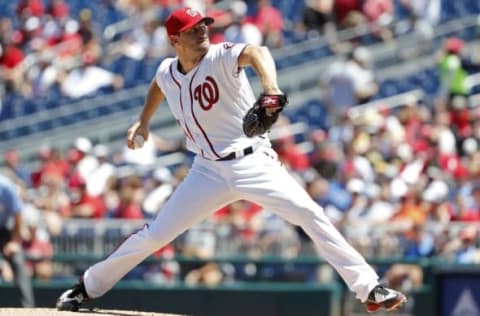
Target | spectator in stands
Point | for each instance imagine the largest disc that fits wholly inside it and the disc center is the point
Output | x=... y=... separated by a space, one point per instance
x=245 y=222
x=223 y=18
x=7 y=30
x=460 y=118
x=88 y=79
x=269 y=21
x=11 y=55
x=98 y=178
x=28 y=37
x=162 y=188
x=340 y=131
x=349 y=82
x=380 y=16
x=290 y=154
x=85 y=28
x=84 y=205
x=37 y=245
x=358 y=203
x=15 y=169
x=418 y=243
x=462 y=248
x=11 y=238
x=11 y=58
x=324 y=159
x=241 y=30
x=318 y=18
x=53 y=165
x=26 y=8
x=165 y=272
x=424 y=15
x=345 y=9
x=42 y=77
x=470 y=213
x=435 y=198
x=409 y=213
x=208 y=274
x=68 y=43
x=52 y=198
x=148 y=41
x=453 y=74
x=88 y=32
x=111 y=195
x=404 y=277
x=443 y=134
x=131 y=197
x=85 y=161
x=58 y=9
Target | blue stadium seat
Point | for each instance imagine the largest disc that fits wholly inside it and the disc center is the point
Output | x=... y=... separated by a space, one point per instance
x=388 y=88
x=281 y=63
x=6 y=112
x=148 y=70
x=321 y=52
x=67 y=120
x=476 y=89
x=317 y=113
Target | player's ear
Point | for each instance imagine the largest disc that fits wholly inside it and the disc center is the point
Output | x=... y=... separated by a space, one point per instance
x=173 y=39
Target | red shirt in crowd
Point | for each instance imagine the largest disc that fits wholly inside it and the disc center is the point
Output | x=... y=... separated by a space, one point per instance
x=30 y=8
x=12 y=56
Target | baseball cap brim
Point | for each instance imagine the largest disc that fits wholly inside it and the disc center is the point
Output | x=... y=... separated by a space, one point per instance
x=208 y=20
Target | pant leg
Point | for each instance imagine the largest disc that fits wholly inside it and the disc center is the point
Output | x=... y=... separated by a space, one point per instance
x=17 y=263
x=199 y=195
x=22 y=279
x=264 y=181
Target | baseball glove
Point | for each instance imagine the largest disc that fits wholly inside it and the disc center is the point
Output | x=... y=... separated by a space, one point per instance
x=258 y=121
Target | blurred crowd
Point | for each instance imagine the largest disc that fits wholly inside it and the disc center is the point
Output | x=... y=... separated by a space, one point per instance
x=55 y=47
x=401 y=182
x=397 y=182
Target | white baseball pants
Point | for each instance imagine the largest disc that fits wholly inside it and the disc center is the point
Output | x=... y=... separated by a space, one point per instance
x=210 y=185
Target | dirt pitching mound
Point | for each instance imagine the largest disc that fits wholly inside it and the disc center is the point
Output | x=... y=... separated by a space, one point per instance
x=81 y=312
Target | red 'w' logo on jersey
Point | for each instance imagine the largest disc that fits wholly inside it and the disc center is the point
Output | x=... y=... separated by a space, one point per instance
x=206 y=93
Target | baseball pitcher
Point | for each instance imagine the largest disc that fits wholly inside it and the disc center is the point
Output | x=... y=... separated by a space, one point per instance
x=226 y=126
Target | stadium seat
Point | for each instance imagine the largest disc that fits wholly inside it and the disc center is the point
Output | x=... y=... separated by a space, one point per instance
x=388 y=88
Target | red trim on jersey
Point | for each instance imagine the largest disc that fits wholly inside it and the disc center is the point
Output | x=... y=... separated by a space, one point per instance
x=195 y=118
x=187 y=130
x=173 y=77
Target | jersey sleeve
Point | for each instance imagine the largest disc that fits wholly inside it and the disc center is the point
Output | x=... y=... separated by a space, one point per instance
x=230 y=53
x=162 y=71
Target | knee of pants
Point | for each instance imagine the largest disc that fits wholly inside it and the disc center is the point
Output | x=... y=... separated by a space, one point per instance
x=306 y=214
x=150 y=239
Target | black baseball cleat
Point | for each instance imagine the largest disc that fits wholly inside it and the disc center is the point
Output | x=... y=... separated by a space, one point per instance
x=384 y=298
x=71 y=299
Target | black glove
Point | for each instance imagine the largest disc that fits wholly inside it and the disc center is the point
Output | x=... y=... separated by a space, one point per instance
x=257 y=121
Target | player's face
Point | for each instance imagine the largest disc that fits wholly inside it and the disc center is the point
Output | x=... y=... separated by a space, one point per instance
x=195 y=38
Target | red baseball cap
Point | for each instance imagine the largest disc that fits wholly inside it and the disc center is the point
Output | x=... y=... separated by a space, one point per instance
x=183 y=19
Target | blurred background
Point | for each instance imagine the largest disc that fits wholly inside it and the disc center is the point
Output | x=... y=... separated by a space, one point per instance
x=382 y=130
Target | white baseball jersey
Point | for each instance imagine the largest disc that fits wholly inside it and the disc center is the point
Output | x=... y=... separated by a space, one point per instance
x=209 y=102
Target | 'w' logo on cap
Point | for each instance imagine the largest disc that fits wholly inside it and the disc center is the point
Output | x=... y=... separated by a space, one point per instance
x=192 y=12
